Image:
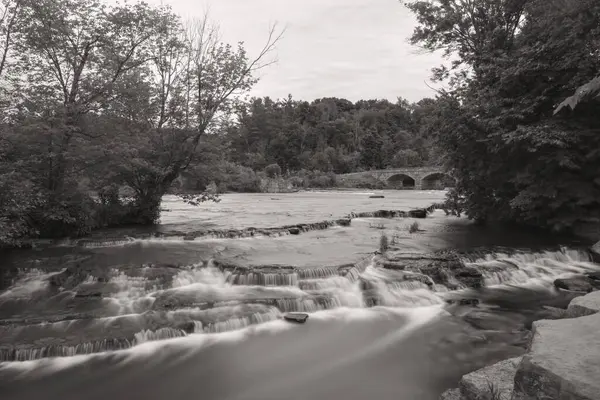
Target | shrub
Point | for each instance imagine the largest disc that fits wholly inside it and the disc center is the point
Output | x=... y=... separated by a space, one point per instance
x=273 y=170
x=383 y=243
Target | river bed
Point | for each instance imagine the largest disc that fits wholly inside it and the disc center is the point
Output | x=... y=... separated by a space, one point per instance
x=161 y=316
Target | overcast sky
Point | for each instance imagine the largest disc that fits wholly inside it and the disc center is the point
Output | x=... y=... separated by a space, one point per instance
x=355 y=49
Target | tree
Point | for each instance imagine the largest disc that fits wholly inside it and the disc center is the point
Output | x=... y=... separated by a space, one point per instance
x=513 y=160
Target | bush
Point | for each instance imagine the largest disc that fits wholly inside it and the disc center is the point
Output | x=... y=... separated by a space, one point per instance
x=384 y=244
x=273 y=170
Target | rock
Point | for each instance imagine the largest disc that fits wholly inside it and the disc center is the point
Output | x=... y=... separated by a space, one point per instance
x=294 y=231
x=493 y=382
x=580 y=283
x=595 y=276
x=344 y=222
x=487 y=319
x=584 y=305
x=469 y=276
x=451 y=394
x=547 y=312
x=88 y=293
x=595 y=252
x=377 y=196
x=563 y=361
x=420 y=213
x=189 y=237
x=393 y=265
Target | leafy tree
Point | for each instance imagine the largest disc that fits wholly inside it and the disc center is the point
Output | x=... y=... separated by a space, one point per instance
x=514 y=161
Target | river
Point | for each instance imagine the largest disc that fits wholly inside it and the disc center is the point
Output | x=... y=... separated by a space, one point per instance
x=193 y=307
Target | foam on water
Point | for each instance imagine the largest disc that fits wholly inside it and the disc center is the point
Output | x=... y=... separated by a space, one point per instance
x=532 y=268
x=209 y=301
x=195 y=343
x=28 y=284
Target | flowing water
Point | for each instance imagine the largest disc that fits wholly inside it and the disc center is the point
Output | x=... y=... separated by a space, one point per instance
x=174 y=311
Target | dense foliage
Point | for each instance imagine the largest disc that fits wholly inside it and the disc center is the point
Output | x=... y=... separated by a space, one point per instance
x=103 y=108
x=309 y=142
x=519 y=122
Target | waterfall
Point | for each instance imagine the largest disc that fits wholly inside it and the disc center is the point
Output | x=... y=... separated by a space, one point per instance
x=159 y=334
x=27 y=354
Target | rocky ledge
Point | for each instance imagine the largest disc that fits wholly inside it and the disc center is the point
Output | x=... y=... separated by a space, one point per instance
x=562 y=361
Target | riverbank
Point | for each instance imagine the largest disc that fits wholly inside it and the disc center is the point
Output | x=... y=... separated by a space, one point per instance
x=443 y=299
x=562 y=358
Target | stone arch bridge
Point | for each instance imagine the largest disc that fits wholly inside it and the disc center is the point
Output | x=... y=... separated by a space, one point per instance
x=419 y=178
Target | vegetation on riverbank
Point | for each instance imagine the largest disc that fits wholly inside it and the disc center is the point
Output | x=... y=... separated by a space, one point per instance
x=521 y=153
x=104 y=106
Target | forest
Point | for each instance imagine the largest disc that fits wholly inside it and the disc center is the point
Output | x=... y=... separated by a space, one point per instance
x=107 y=108
x=310 y=142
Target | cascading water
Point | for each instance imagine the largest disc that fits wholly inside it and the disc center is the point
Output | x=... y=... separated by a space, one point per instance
x=202 y=298
x=522 y=268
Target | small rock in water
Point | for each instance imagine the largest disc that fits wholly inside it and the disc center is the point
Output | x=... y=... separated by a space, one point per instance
x=296 y=317
x=580 y=283
x=344 y=222
x=377 y=196
x=294 y=231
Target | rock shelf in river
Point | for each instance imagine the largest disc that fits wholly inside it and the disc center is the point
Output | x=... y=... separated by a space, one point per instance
x=562 y=361
x=251 y=231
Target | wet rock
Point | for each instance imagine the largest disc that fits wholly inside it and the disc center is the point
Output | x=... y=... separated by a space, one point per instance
x=488 y=319
x=380 y=214
x=189 y=237
x=377 y=196
x=88 y=294
x=393 y=265
x=563 y=361
x=451 y=394
x=469 y=276
x=294 y=231
x=593 y=276
x=584 y=305
x=420 y=213
x=464 y=302
x=188 y=326
x=344 y=222
x=493 y=382
x=547 y=312
x=74 y=275
x=579 y=283
x=595 y=252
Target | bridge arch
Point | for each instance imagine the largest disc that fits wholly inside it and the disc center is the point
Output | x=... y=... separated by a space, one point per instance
x=401 y=181
x=437 y=181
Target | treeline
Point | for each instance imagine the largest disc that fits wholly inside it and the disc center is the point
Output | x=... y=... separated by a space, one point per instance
x=103 y=107
x=521 y=152
x=313 y=141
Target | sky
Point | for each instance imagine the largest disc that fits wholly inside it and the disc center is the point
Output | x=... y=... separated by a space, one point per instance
x=354 y=49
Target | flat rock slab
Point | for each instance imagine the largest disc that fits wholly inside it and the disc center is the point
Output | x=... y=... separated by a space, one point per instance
x=584 y=305
x=492 y=382
x=563 y=361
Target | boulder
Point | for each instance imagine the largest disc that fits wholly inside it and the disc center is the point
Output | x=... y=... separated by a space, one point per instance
x=584 y=305
x=547 y=312
x=580 y=283
x=563 y=361
x=451 y=394
x=492 y=382
x=294 y=231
